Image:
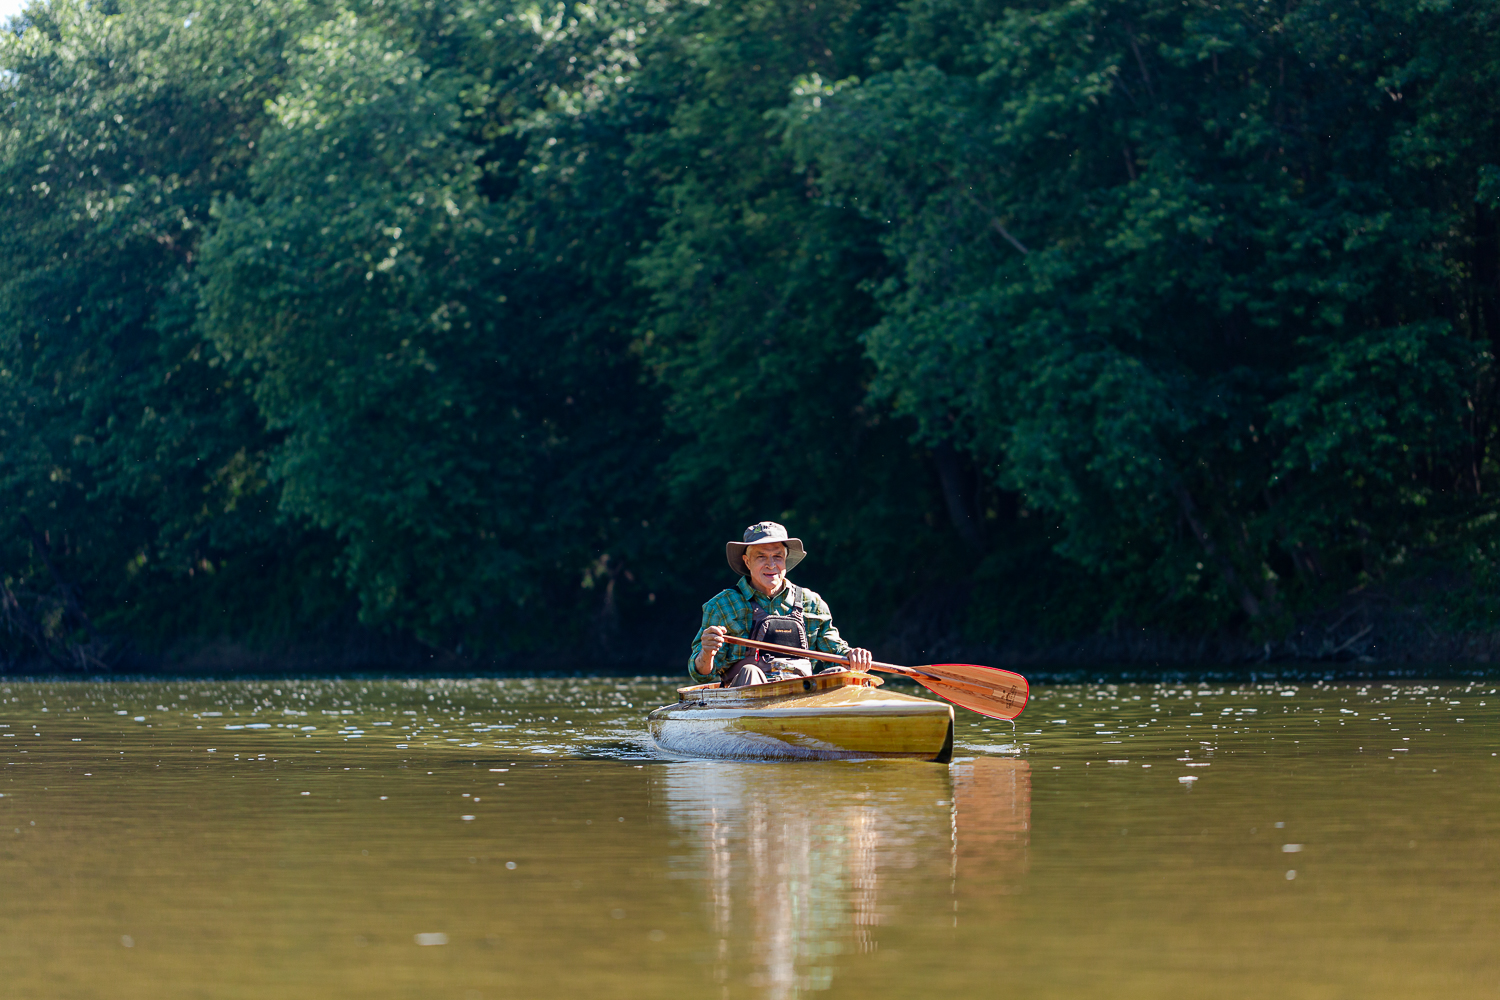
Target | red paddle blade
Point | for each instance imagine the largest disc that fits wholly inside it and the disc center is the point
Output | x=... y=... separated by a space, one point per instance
x=989 y=691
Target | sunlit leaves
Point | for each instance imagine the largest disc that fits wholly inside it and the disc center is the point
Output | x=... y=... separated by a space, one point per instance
x=1165 y=267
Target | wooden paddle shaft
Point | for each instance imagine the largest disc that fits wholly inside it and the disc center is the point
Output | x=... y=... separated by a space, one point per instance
x=810 y=654
x=998 y=694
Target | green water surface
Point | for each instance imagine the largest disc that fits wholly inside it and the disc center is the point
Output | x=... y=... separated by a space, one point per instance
x=521 y=838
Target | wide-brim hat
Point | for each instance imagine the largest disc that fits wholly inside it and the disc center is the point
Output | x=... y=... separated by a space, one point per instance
x=764 y=533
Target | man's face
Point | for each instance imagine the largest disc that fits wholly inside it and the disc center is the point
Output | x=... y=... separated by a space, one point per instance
x=767 y=566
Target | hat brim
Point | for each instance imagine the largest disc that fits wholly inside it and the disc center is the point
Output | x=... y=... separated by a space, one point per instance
x=734 y=552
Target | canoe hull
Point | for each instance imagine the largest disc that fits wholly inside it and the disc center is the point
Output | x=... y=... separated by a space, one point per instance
x=827 y=717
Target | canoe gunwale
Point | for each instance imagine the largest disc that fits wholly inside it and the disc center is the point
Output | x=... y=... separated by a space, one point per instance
x=703 y=694
x=892 y=709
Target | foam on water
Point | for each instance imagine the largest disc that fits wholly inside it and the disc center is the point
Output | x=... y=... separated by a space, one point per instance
x=316 y=838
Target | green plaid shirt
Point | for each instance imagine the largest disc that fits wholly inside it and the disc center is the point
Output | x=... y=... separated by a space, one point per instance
x=733 y=610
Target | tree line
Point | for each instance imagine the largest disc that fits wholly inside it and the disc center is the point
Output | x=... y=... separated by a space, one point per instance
x=480 y=325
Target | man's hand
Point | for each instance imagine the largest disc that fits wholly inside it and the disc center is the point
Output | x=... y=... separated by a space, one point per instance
x=859 y=659
x=713 y=641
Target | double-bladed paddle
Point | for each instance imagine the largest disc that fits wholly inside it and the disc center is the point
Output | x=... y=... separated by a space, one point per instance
x=989 y=691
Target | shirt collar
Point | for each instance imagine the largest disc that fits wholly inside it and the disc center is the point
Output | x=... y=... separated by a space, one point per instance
x=751 y=593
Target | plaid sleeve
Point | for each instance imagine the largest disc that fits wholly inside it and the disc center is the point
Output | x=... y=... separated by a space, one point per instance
x=822 y=634
x=729 y=610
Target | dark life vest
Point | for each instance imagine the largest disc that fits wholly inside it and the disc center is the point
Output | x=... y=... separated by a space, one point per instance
x=784 y=630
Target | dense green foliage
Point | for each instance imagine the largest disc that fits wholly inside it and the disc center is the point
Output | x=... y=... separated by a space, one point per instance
x=486 y=323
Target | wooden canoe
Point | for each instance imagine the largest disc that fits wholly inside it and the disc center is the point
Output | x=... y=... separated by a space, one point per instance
x=841 y=715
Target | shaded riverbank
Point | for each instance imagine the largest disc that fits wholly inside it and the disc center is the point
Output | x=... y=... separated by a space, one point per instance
x=1410 y=633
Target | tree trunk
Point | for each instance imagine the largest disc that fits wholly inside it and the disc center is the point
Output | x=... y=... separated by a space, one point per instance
x=961 y=512
x=1226 y=568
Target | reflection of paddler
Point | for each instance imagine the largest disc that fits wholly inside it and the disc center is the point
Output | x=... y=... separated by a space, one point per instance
x=992 y=820
x=795 y=868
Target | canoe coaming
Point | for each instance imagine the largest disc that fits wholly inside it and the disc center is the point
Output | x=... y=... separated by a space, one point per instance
x=838 y=716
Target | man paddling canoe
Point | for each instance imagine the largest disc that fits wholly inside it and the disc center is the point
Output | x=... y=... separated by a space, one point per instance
x=766 y=606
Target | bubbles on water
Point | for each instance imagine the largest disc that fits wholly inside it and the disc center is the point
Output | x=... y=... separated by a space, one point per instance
x=126 y=941
x=1291 y=874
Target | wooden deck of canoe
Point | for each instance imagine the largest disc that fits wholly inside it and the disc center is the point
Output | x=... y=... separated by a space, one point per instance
x=831 y=716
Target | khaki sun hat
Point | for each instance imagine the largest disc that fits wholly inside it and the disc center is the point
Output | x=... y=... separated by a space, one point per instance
x=763 y=533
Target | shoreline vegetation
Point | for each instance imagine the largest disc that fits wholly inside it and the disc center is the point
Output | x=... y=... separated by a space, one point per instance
x=1368 y=639
x=460 y=334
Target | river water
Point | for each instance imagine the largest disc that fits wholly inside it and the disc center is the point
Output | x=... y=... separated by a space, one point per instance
x=483 y=839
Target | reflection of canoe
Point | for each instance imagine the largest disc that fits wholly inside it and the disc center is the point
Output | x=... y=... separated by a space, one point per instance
x=798 y=873
x=839 y=715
